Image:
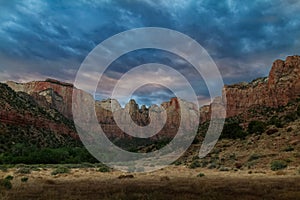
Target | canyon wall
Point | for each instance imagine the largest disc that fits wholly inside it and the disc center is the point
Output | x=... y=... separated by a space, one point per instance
x=281 y=86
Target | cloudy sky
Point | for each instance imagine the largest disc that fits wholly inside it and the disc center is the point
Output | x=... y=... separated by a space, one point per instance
x=40 y=39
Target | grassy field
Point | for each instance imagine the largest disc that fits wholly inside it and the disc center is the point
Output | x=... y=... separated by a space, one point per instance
x=175 y=182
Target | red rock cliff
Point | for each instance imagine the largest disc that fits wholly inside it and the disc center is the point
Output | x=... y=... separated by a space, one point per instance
x=57 y=94
x=281 y=86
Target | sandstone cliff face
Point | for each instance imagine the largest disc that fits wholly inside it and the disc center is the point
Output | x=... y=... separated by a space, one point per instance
x=282 y=86
x=166 y=117
x=54 y=94
x=48 y=93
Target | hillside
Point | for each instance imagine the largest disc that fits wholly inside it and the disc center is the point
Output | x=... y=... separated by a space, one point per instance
x=30 y=133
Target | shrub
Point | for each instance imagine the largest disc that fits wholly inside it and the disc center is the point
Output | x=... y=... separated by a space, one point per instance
x=24 y=170
x=251 y=164
x=177 y=163
x=233 y=130
x=195 y=164
x=104 y=169
x=232 y=156
x=212 y=165
x=254 y=157
x=278 y=165
x=290 y=117
x=6 y=183
x=200 y=174
x=257 y=127
x=204 y=163
x=9 y=177
x=289 y=148
x=60 y=170
x=223 y=169
x=275 y=121
x=24 y=179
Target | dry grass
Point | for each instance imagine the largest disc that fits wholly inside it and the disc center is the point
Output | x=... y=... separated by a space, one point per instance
x=181 y=183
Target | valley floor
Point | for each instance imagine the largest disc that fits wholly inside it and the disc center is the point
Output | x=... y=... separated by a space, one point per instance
x=174 y=182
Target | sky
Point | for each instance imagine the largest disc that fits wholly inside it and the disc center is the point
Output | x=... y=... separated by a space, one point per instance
x=41 y=39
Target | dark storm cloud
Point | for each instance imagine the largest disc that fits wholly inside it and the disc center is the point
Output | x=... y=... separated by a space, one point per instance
x=41 y=39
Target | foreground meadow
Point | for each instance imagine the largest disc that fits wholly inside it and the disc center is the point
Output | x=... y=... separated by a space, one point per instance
x=175 y=182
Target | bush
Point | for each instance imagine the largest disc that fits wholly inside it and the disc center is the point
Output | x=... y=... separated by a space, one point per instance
x=223 y=169
x=177 y=163
x=257 y=127
x=275 y=121
x=9 y=177
x=232 y=156
x=251 y=164
x=195 y=164
x=212 y=165
x=254 y=157
x=200 y=175
x=6 y=183
x=204 y=163
x=290 y=117
x=233 y=130
x=278 y=165
x=24 y=170
x=104 y=169
x=60 y=170
x=289 y=148
x=24 y=179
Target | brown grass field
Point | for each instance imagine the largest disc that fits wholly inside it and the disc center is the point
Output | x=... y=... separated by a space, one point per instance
x=175 y=182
